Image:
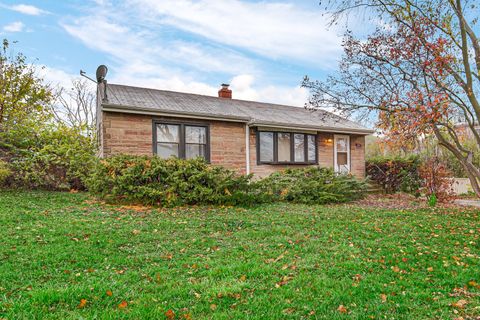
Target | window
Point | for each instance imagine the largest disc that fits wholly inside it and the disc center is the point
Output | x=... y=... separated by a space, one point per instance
x=286 y=147
x=299 y=147
x=181 y=140
x=266 y=145
x=195 y=142
x=168 y=140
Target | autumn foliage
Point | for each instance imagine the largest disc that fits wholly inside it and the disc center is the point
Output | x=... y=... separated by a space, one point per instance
x=437 y=180
x=417 y=73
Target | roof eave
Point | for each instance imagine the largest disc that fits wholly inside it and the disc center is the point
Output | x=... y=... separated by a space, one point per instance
x=196 y=115
x=312 y=127
x=146 y=111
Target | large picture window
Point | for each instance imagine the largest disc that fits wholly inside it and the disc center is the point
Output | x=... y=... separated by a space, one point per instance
x=186 y=141
x=286 y=147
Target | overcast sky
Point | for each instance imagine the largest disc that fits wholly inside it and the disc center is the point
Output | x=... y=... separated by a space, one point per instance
x=263 y=48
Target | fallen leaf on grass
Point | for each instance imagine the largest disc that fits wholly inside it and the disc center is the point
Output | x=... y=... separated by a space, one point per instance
x=213 y=307
x=383 y=297
x=429 y=269
x=341 y=308
x=82 y=304
x=395 y=269
x=288 y=311
x=283 y=282
x=109 y=293
x=243 y=278
x=170 y=314
x=460 y=304
x=123 y=305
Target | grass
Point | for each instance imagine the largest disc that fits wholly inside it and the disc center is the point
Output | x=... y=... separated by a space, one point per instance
x=268 y=262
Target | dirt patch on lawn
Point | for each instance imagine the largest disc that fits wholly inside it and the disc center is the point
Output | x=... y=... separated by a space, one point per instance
x=400 y=201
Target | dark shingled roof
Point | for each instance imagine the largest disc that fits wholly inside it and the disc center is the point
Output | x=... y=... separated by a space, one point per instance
x=143 y=100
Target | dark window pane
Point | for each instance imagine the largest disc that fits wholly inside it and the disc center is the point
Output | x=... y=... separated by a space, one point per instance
x=266 y=146
x=283 y=147
x=168 y=133
x=195 y=150
x=299 y=147
x=312 y=148
x=166 y=150
x=195 y=135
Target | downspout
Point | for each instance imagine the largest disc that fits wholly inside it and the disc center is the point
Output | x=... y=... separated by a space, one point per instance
x=247 y=147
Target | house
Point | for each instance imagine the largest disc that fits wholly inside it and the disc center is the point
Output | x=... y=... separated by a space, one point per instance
x=247 y=136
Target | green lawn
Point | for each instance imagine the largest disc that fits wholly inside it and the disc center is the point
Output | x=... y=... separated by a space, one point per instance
x=269 y=262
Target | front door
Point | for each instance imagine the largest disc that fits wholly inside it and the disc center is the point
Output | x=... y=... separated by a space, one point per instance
x=342 y=153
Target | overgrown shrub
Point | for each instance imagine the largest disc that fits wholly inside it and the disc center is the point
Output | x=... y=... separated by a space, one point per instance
x=311 y=185
x=395 y=174
x=168 y=182
x=174 y=182
x=5 y=172
x=437 y=182
x=54 y=158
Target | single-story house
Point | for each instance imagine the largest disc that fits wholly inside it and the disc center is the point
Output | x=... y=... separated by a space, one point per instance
x=247 y=136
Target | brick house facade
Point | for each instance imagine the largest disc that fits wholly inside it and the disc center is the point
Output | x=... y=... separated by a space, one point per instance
x=129 y=117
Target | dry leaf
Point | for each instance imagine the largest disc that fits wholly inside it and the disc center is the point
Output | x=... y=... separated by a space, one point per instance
x=123 y=305
x=429 y=269
x=383 y=297
x=243 y=278
x=170 y=314
x=135 y=231
x=460 y=304
x=82 y=304
x=341 y=308
x=213 y=307
x=109 y=293
x=395 y=269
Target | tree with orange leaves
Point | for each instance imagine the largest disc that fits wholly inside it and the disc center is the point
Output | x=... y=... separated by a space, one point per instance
x=419 y=72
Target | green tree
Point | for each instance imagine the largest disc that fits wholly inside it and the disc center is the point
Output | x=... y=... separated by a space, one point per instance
x=24 y=98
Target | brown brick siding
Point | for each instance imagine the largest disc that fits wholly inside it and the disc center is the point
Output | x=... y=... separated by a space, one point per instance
x=357 y=155
x=227 y=145
x=132 y=134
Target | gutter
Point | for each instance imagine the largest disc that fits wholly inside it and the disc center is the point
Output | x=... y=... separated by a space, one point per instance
x=314 y=128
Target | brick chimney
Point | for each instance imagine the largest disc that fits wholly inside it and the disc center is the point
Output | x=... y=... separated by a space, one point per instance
x=225 y=92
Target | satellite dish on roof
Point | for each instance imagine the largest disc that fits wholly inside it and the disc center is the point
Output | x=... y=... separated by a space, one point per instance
x=101 y=72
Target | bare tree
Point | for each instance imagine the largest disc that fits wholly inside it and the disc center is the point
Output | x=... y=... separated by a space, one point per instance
x=75 y=106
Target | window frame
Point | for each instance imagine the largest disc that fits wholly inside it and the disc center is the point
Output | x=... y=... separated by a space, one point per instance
x=292 y=148
x=182 y=144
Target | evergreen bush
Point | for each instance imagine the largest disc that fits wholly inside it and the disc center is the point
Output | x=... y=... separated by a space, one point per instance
x=311 y=185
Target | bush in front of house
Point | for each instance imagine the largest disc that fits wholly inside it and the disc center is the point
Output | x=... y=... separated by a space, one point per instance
x=168 y=182
x=395 y=174
x=175 y=182
x=311 y=185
